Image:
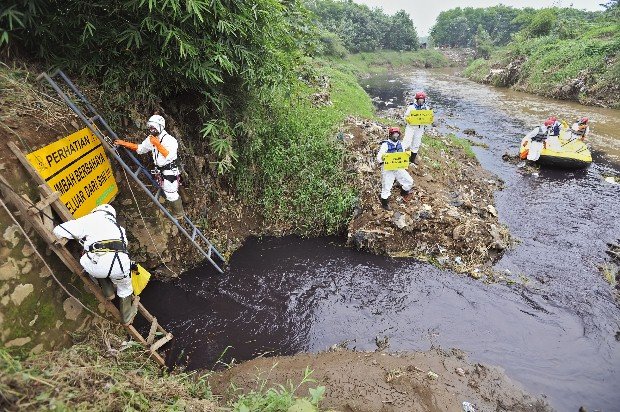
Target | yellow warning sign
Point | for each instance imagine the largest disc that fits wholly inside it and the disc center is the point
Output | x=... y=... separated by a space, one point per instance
x=78 y=168
x=395 y=161
x=420 y=117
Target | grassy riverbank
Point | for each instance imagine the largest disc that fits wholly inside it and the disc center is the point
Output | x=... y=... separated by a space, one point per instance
x=584 y=67
x=384 y=60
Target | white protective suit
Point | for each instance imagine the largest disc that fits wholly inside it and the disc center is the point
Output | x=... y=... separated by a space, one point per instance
x=537 y=138
x=575 y=133
x=553 y=140
x=170 y=174
x=94 y=227
x=388 y=176
x=413 y=134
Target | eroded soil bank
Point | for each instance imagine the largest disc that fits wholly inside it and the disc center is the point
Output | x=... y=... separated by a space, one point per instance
x=374 y=381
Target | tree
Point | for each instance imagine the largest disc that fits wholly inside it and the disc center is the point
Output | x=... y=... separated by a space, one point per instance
x=401 y=33
x=363 y=29
x=482 y=43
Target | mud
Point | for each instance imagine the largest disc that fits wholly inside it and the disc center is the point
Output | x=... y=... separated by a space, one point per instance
x=435 y=380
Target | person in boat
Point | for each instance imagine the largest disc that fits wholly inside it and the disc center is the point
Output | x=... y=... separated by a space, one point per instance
x=537 y=139
x=393 y=145
x=105 y=255
x=413 y=133
x=580 y=129
x=553 y=140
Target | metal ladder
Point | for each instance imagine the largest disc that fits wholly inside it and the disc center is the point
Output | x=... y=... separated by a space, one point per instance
x=96 y=123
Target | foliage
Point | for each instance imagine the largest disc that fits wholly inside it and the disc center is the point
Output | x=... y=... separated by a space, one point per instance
x=363 y=29
x=90 y=376
x=459 y=27
x=292 y=170
x=580 y=61
x=148 y=53
x=280 y=398
x=482 y=43
x=380 y=61
x=331 y=45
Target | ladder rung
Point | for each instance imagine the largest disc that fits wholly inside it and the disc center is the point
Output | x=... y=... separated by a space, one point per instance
x=95 y=117
x=161 y=342
x=151 y=336
x=209 y=252
x=137 y=172
x=193 y=234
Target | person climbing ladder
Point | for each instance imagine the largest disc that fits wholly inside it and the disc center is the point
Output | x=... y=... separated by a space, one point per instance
x=105 y=256
x=163 y=147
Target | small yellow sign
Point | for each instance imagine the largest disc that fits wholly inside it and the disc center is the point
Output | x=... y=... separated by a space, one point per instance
x=396 y=161
x=420 y=117
x=78 y=168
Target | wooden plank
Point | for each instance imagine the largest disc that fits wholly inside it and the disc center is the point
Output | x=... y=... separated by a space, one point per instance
x=60 y=208
x=161 y=342
x=151 y=336
x=48 y=200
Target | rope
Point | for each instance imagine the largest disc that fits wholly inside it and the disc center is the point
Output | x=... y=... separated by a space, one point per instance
x=28 y=201
x=45 y=263
x=146 y=226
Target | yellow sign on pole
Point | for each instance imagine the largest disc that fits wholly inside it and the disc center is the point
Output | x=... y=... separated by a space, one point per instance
x=78 y=168
x=395 y=161
x=420 y=117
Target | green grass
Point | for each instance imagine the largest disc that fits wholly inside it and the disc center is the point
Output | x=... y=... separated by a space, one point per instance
x=463 y=144
x=384 y=60
x=91 y=377
x=293 y=169
x=551 y=62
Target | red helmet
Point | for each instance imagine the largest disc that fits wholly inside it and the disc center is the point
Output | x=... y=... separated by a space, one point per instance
x=584 y=120
x=393 y=130
x=549 y=122
x=553 y=119
x=420 y=95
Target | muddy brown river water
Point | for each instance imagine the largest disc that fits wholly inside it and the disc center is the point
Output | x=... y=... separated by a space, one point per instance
x=554 y=326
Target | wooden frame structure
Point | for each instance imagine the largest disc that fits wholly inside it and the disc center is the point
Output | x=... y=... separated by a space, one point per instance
x=31 y=213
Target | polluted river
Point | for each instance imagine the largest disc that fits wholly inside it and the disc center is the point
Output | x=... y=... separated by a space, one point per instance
x=552 y=322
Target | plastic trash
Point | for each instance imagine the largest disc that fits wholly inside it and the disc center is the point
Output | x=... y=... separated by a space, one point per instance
x=468 y=407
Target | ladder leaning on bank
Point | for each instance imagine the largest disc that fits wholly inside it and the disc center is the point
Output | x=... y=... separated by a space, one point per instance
x=32 y=214
x=97 y=124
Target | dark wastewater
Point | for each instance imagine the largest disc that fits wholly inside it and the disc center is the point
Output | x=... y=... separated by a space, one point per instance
x=552 y=327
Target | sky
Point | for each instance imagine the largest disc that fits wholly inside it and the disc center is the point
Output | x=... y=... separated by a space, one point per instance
x=424 y=12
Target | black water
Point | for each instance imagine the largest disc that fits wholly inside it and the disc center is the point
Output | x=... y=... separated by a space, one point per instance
x=554 y=330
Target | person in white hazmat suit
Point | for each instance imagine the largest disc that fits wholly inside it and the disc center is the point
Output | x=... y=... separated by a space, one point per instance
x=537 y=139
x=105 y=255
x=580 y=129
x=413 y=133
x=163 y=147
x=393 y=145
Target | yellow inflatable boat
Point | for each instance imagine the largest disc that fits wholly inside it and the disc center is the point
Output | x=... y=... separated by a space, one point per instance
x=571 y=154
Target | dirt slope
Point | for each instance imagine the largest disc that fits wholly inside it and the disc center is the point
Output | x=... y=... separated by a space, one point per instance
x=381 y=382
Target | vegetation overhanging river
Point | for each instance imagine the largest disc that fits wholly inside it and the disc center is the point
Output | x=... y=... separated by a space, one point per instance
x=553 y=323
